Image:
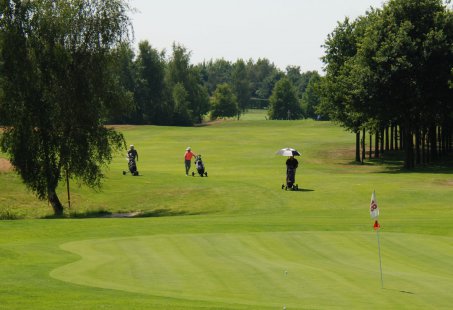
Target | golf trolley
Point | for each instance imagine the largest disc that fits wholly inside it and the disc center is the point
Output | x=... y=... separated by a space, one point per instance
x=131 y=165
x=291 y=166
x=290 y=180
x=200 y=167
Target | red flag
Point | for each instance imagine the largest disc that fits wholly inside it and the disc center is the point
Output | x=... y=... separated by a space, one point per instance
x=376 y=225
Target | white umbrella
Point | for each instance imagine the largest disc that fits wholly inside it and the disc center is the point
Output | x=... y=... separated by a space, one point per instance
x=288 y=152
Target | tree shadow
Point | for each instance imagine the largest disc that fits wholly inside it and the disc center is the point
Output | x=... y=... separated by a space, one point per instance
x=393 y=163
x=442 y=167
x=79 y=215
x=133 y=214
x=166 y=212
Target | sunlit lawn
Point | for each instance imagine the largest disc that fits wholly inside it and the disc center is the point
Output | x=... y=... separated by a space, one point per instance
x=234 y=240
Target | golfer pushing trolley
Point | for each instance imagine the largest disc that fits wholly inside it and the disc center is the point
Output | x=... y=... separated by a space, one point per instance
x=291 y=166
x=132 y=156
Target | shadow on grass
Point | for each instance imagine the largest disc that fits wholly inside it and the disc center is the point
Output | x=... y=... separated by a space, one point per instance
x=393 y=162
x=165 y=212
x=81 y=215
x=299 y=190
x=433 y=168
x=108 y=214
x=400 y=291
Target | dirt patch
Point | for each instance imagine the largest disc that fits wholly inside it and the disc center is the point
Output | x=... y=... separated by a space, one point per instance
x=216 y=121
x=346 y=154
x=5 y=165
x=448 y=182
x=123 y=215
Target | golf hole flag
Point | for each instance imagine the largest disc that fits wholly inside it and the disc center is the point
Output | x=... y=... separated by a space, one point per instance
x=374 y=211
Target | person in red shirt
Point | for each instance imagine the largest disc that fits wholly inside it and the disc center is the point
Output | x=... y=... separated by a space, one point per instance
x=188 y=159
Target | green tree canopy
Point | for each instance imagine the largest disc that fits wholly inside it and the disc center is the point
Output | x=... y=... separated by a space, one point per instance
x=215 y=72
x=241 y=84
x=180 y=71
x=224 y=102
x=284 y=103
x=312 y=97
x=392 y=66
x=57 y=83
x=150 y=92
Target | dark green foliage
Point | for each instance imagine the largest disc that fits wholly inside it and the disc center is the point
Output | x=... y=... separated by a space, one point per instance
x=311 y=96
x=284 y=103
x=241 y=84
x=122 y=69
x=57 y=85
x=391 y=68
x=180 y=99
x=152 y=106
x=215 y=72
x=224 y=102
x=181 y=72
x=263 y=75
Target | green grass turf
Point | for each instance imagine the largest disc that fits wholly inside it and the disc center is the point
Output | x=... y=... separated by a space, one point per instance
x=226 y=241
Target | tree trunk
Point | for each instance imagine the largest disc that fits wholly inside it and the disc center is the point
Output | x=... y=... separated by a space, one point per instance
x=449 y=139
x=371 y=144
x=423 y=132
x=402 y=137
x=432 y=142
x=363 y=145
x=391 y=137
x=439 y=141
x=428 y=149
x=418 y=157
x=382 y=152
x=55 y=203
x=357 y=146
x=387 y=144
x=376 y=144
x=396 y=137
x=408 y=149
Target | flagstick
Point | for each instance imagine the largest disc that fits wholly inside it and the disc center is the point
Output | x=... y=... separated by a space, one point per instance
x=380 y=261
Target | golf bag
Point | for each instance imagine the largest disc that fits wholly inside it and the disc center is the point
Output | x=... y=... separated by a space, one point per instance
x=291 y=179
x=200 y=167
x=131 y=165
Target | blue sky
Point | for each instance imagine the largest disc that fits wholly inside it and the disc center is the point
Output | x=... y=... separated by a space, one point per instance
x=287 y=32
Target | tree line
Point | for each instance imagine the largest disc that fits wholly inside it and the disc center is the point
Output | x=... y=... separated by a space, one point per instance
x=388 y=74
x=172 y=91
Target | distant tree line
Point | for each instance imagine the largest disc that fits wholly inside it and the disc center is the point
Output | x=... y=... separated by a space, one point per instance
x=174 y=92
x=388 y=75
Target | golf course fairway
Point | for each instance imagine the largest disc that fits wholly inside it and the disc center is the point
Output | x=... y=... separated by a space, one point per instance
x=314 y=269
x=235 y=239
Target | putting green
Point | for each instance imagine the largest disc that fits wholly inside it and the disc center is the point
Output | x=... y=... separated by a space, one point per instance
x=314 y=269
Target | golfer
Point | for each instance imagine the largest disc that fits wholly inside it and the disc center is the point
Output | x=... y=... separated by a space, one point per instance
x=292 y=163
x=291 y=166
x=132 y=153
x=188 y=159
